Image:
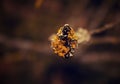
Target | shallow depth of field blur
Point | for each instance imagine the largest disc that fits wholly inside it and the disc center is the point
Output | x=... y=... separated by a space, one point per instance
x=25 y=53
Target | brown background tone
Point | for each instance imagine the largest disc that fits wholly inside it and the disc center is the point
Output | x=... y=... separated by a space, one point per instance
x=25 y=53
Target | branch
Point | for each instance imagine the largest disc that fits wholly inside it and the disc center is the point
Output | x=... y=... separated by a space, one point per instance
x=24 y=45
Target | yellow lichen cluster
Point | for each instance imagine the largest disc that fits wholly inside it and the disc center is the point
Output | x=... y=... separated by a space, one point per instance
x=58 y=45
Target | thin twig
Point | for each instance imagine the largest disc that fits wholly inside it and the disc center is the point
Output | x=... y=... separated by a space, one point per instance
x=104 y=28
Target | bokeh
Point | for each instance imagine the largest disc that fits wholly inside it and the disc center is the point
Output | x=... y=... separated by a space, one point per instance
x=25 y=53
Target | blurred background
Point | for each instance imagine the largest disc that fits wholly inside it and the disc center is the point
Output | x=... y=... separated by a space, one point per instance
x=25 y=53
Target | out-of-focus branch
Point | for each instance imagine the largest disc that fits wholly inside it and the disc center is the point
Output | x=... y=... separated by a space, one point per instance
x=24 y=45
x=104 y=28
x=111 y=40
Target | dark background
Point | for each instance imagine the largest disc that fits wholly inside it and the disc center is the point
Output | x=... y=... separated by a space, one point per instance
x=25 y=53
